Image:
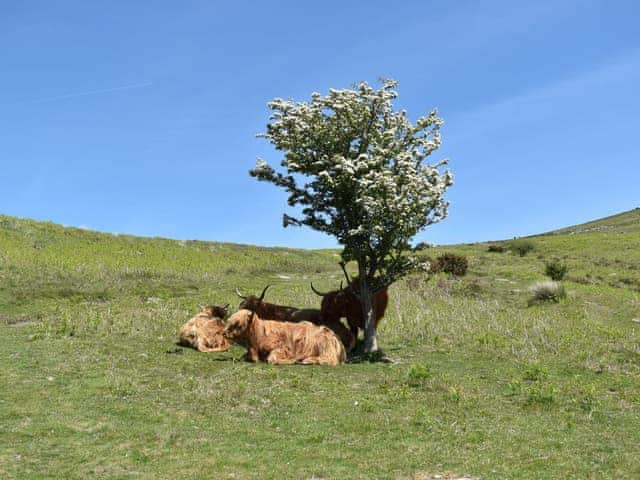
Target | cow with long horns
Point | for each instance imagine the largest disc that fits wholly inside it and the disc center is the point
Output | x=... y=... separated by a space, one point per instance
x=284 y=343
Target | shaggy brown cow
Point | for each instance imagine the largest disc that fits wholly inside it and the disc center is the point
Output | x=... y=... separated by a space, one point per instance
x=283 y=343
x=204 y=331
x=343 y=303
x=315 y=316
x=265 y=310
x=292 y=314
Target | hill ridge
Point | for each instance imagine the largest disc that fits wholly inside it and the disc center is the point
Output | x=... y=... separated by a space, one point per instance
x=623 y=222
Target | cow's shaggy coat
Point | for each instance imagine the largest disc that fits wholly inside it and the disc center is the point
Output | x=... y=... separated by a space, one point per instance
x=315 y=316
x=343 y=303
x=204 y=332
x=285 y=313
x=282 y=343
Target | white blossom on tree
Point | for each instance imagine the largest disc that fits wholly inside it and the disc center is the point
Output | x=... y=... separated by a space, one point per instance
x=357 y=168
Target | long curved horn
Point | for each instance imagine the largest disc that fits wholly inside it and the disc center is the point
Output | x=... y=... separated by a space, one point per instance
x=263 y=292
x=253 y=310
x=240 y=295
x=317 y=292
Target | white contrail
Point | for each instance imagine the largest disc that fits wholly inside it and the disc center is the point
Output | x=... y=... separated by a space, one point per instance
x=91 y=92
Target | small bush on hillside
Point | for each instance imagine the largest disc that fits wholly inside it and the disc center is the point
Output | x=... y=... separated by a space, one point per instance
x=555 y=269
x=422 y=246
x=546 y=291
x=451 y=263
x=522 y=247
x=472 y=289
x=495 y=248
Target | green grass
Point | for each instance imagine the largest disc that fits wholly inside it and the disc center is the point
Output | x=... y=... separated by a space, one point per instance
x=92 y=384
x=624 y=222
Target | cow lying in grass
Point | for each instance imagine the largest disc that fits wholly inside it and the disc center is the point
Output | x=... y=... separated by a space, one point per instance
x=204 y=331
x=315 y=316
x=283 y=343
x=284 y=313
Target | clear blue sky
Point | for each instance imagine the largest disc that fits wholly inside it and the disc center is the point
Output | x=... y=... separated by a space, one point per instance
x=140 y=117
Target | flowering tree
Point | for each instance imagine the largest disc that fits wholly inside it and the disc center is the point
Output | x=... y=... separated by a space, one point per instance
x=356 y=167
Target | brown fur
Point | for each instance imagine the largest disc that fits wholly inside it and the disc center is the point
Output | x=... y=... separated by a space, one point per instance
x=343 y=303
x=215 y=311
x=282 y=343
x=267 y=310
x=315 y=316
x=204 y=331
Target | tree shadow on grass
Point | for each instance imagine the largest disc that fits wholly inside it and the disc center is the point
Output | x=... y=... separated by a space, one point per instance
x=358 y=355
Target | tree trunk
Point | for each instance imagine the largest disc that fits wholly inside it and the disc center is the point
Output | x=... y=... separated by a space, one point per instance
x=370 y=341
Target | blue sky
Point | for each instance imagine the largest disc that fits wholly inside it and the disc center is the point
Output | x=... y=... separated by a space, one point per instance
x=140 y=117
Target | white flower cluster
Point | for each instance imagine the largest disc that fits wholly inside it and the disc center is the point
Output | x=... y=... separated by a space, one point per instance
x=356 y=167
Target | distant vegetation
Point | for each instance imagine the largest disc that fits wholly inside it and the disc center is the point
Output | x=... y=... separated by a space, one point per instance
x=521 y=246
x=452 y=263
x=546 y=291
x=555 y=269
x=625 y=222
x=482 y=382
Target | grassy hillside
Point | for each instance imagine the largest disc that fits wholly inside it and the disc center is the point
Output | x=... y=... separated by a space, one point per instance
x=92 y=384
x=625 y=222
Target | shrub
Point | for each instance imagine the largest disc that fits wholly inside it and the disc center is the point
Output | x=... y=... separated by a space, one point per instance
x=496 y=248
x=522 y=247
x=451 y=263
x=546 y=291
x=422 y=246
x=555 y=269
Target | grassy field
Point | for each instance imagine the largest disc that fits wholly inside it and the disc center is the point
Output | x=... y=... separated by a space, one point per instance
x=92 y=384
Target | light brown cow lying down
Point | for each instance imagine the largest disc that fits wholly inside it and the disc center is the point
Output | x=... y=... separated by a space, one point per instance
x=204 y=331
x=315 y=316
x=282 y=343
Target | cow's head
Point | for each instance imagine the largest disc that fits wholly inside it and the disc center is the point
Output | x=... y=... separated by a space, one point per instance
x=251 y=302
x=238 y=326
x=215 y=311
x=336 y=303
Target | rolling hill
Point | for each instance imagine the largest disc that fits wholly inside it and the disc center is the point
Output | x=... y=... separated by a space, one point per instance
x=625 y=222
x=482 y=383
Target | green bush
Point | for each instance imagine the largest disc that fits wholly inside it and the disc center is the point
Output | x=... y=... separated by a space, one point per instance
x=451 y=263
x=555 y=269
x=496 y=248
x=522 y=247
x=422 y=246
